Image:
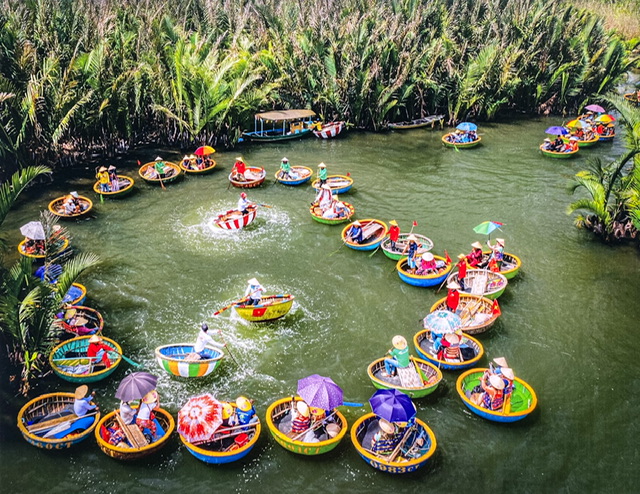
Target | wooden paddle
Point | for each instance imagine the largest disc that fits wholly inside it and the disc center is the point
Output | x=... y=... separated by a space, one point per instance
x=237 y=302
x=224 y=343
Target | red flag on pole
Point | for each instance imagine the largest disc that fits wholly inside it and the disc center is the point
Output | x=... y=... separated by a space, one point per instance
x=495 y=309
x=415 y=223
x=348 y=174
x=447 y=259
x=139 y=163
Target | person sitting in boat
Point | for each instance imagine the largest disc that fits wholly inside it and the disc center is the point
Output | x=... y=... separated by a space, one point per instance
x=411 y=249
x=113 y=179
x=427 y=264
x=399 y=356
x=83 y=404
x=186 y=162
x=98 y=351
x=229 y=418
x=146 y=418
x=472 y=135
x=285 y=169
x=394 y=233
x=508 y=377
x=32 y=246
x=558 y=143
x=116 y=434
x=238 y=170
x=201 y=341
x=386 y=438
x=103 y=179
x=301 y=420
x=244 y=203
x=547 y=145
x=127 y=413
x=474 y=258
x=330 y=212
x=322 y=173
x=159 y=167
x=253 y=293
x=354 y=233
x=151 y=173
x=450 y=348
x=245 y=412
x=497 y=251
x=453 y=296
x=497 y=365
x=462 y=270
x=342 y=211
x=493 y=395
x=72 y=204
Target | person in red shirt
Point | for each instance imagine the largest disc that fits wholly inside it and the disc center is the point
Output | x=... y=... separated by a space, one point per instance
x=475 y=257
x=453 y=296
x=238 y=169
x=462 y=270
x=394 y=233
x=98 y=351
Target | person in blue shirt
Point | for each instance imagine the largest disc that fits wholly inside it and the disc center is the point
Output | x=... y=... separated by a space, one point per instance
x=245 y=412
x=354 y=234
x=83 y=404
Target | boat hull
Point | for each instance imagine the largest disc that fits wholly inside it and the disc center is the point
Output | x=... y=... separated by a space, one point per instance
x=267 y=136
x=471 y=324
x=423 y=281
x=460 y=145
x=59 y=361
x=632 y=98
x=424 y=245
x=584 y=144
x=38 y=257
x=277 y=306
x=88 y=313
x=223 y=457
x=431 y=377
x=522 y=403
x=76 y=295
x=301 y=447
x=125 y=188
x=511 y=264
x=257 y=178
x=304 y=173
x=371 y=241
x=204 y=171
x=330 y=130
x=418 y=123
x=177 y=173
x=333 y=221
x=56 y=207
x=172 y=357
x=339 y=184
x=558 y=155
x=608 y=138
x=495 y=285
x=379 y=462
x=424 y=348
x=235 y=220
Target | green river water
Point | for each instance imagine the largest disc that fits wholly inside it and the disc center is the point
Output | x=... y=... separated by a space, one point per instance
x=567 y=324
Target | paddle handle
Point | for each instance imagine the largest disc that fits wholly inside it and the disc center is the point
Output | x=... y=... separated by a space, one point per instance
x=352 y=404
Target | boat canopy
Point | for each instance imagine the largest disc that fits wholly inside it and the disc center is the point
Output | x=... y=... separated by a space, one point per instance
x=280 y=115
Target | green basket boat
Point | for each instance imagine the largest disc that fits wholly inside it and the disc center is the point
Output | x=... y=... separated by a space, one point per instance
x=460 y=145
x=583 y=144
x=510 y=267
x=424 y=245
x=494 y=283
x=558 y=155
x=70 y=362
x=316 y=214
x=430 y=376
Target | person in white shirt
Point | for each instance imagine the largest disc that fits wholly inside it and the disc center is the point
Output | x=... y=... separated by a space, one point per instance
x=202 y=340
x=253 y=292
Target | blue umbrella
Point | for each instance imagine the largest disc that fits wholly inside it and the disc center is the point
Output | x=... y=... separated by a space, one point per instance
x=467 y=126
x=556 y=130
x=442 y=322
x=392 y=405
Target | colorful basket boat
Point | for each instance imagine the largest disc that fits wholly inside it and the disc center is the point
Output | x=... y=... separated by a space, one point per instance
x=198 y=171
x=172 y=173
x=607 y=138
x=125 y=183
x=63 y=431
x=235 y=220
x=278 y=419
x=40 y=257
x=494 y=283
x=76 y=295
x=69 y=360
x=460 y=145
x=584 y=143
x=57 y=207
x=522 y=402
x=510 y=267
x=330 y=130
x=339 y=184
x=424 y=280
x=165 y=425
x=254 y=176
x=424 y=347
x=632 y=98
x=424 y=245
x=558 y=154
x=87 y=321
x=410 y=456
x=220 y=453
x=303 y=172
x=430 y=376
x=316 y=214
x=373 y=233
x=271 y=307
x=476 y=312
x=174 y=359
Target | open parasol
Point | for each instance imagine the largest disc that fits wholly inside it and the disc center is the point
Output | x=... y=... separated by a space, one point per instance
x=486 y=227
x=442 y=322
x=33 y=230
x=392 y=405
x=136 y=385
x=200 y=418
x=319 y=391
x=204 y=151
x=595 y=108
x=556 y=130
x=578 y=124
x=467 y=127
x=606 y=118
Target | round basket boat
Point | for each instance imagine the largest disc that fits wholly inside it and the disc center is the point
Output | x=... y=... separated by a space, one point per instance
x=607 y=138
x=69 y=360
x=424 y=280
x=632 y=98
x=79 y=320
x=235 y=220
x=176 y=359
x=254 y=176
x=522 y=402
x=425 y=375
x=136 y=445
x=316 y=214
x=226 y=449
x=494 y=283
x=559 y=155
x=57 y=207
x=424 y=245
x=76 y=295
x=470 y=348
x=198 y=171
x=278 y=419
x=62 y=429
x=339 y=184
x=510 y=267
x=584 y=143
x=271 y=307
x=373 y=232
x=171 y=173
x=125 y=187
x=303 y=173
x=476 y=312
x=409 y=457
x=460 y=145
x=40 y=257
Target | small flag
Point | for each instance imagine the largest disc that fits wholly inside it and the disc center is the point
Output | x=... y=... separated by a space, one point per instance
x=447 y=259
x=415 y=223
x=139 y=163
x=495 y=309
x=259 y=312
x=348 y=174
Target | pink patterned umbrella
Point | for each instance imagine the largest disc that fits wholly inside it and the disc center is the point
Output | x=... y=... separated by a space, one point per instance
x=199 y=418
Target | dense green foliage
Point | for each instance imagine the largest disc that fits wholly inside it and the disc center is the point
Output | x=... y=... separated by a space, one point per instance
x=84 y=76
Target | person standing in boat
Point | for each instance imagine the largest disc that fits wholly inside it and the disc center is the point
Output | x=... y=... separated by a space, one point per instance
x=411 y=250
x=323 y=197
x=98 y=351
x=202 y=340
x=113 y=178
x=159 y=167
x=462 y=270
x=354 y=233
x=253 y=293
x=394 y=233
x=453 y=296
x=238 y=170
x=399 y=356
x=244 y=203
x=322 y=173
x=285 y=169
x=103 y=179
x=497 y=251
x=474 y=258
x=83 y=404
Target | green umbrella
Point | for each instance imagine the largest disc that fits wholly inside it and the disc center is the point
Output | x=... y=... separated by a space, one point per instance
x=486 y=227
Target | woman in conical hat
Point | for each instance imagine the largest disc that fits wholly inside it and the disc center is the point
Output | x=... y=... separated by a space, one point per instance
x=394 y=233
x=253 y=292
x=475 y=256
x=497 y=251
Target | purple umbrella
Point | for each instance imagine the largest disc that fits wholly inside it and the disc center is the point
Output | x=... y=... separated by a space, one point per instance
x=136 y=385
x=392 y=405
x=556 y=131
x=319 y=391
x=595 y=108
